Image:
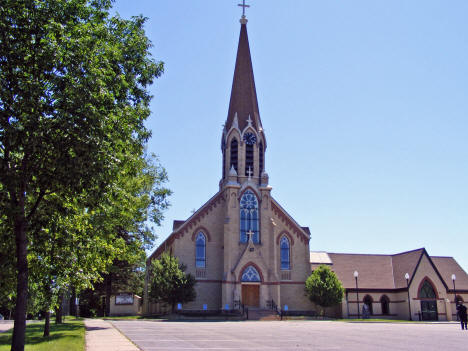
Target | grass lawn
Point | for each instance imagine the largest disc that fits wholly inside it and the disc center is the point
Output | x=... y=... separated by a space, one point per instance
x=69 y=336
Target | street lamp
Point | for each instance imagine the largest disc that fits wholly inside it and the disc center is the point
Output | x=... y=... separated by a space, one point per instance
x=409 y=303
x=454 y=277
x=356 y=274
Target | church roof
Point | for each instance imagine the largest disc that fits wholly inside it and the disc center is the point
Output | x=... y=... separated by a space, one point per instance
x=243 y=102
x=387 y=272
x=448 y=266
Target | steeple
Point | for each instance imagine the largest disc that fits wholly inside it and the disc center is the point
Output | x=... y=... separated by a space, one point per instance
x=243 y=142
x=243 y=101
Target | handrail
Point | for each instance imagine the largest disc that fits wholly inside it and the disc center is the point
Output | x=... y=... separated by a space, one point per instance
x=273 y=306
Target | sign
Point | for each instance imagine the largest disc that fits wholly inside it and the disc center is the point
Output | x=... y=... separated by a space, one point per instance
x=124 y=299
x=179 y=306
x=226 y=306
x=285 y=307
x=205 y=307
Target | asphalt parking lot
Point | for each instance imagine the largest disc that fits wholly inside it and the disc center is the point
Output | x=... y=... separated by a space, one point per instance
x=293 y=335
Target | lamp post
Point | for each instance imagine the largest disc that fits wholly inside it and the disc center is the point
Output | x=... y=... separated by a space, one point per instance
x=356 y=274
x=409 y=303
x=454 y=277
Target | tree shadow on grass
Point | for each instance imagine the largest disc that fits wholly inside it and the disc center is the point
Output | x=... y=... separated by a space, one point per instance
x=34 y=333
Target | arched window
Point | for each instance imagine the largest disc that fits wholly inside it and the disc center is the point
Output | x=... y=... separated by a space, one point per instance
x=249 y=159
x=427 y=291
x=250 y=275
x=200 y=251
x=385 y=304
x=285 y=253
x=249 y=217
x=260 y=159
x=368 y=302
x=234 y=154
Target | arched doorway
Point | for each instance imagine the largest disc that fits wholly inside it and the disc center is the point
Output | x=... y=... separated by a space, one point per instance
x=368 y=301
x=428 y=299
x=250 y=280
x=385 y=304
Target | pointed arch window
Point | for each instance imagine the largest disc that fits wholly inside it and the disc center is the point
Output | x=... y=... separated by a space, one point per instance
x=249 y=217
x=249 y=159
x=260 y=159
x=200 y=250
x=285 y=253
x=250 y=275
x=427 y=291
x=234 y=154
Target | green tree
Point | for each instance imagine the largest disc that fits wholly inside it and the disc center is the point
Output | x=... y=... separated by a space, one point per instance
x=169 y=283
x=73 y=101
x=324 y=288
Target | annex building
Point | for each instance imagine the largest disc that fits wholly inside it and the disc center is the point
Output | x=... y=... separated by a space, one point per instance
x=243 y=247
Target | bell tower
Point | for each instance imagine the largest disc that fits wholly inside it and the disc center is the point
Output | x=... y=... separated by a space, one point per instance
x=243 y=141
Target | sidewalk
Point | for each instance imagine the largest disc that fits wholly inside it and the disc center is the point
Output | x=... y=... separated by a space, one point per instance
x=102 y=336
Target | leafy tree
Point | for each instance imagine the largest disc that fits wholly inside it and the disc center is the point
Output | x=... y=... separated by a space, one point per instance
x=169 y=283
x=138 y=199
x=324 y=288
x=73 y=101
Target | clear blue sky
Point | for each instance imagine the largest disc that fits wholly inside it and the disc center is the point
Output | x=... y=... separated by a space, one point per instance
x=364 y=105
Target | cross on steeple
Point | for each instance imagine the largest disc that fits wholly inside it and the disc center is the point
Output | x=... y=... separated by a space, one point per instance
x=243 y=5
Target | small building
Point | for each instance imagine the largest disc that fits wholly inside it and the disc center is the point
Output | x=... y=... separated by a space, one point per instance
x=402 y=286
x=125 y=304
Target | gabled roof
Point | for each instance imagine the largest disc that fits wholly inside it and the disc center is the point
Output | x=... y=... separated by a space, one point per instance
x=405 y=262
x=388 y=271
x=375 y=271
x=448 y=266
x=243 y=101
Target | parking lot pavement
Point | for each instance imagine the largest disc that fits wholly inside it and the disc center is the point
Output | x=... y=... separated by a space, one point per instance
x=293 y=335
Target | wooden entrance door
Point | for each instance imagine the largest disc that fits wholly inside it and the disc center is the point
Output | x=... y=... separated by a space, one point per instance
x=251 y=295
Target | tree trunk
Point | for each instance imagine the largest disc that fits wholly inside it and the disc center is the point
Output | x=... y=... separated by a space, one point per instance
x=108 y=282
x=19 y=329
x=58 y=310
x=72 y=303
x=47 y=324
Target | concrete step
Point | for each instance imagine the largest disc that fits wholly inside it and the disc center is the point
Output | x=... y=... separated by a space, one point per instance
x=263 y=315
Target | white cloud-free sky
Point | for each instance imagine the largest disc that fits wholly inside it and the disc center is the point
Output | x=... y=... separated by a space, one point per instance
x=364 y=106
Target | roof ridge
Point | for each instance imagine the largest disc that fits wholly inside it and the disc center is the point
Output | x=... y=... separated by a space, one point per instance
x=406 y=252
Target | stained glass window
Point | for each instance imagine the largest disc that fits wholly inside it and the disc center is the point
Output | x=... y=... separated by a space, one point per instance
x=200 y=251
x=260 y=159
x=284 y=250
x=427 y=291
x=250 y=275
x=234 y=154
x=249 y=217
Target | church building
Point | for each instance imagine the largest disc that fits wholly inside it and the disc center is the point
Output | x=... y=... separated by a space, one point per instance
x=241 y=245
x=244 y=248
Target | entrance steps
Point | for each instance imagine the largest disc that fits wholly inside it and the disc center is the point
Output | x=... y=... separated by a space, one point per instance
x=263 y=315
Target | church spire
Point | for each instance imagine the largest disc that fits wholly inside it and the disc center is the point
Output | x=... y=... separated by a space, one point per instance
x=243 y=142
x=243 y=103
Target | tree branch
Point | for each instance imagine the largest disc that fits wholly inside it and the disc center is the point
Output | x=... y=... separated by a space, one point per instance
x=36 y=204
